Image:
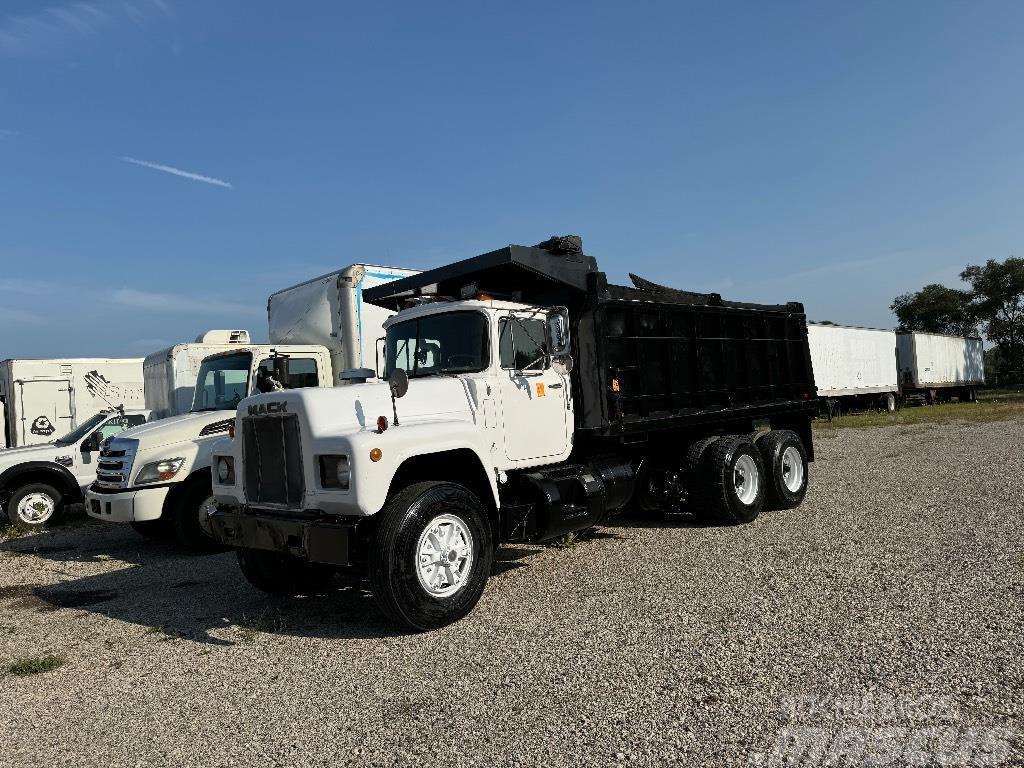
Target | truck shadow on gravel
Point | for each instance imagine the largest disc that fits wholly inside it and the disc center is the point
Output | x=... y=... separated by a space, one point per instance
x=177 y=596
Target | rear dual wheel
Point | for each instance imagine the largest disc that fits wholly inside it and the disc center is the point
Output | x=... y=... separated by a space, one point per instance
x=733 y=478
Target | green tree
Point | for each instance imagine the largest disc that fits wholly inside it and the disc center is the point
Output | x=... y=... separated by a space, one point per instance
x=997 y=301
x=936 y=309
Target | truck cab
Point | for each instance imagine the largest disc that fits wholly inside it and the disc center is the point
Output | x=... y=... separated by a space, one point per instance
x=525 y=399
x=157 y=476
x=38 y=482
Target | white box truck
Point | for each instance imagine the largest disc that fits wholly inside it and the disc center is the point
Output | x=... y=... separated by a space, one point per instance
x=854 y=367
x=157 y=477
x=937 y=367
x=170 y=374
x=40 y=400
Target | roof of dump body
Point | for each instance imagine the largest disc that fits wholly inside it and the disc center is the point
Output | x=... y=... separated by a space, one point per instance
x=531 y=271
x=537 y=276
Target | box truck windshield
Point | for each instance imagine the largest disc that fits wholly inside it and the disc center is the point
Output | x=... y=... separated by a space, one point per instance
x=222 y=383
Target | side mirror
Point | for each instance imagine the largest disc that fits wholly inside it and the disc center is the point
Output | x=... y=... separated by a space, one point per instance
x=399 y=383
x=280 y=363
x=91 y=443
x=557 y=328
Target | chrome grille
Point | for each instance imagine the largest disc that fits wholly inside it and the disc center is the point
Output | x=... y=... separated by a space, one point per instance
x=272 y=459
x=114 y=467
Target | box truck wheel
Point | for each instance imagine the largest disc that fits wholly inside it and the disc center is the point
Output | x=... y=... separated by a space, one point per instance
x=731 y=482
x=785 y=465
x=431 y=555
x=35 y=505
x=889 y=402
x=279 y=574
x=190 y=512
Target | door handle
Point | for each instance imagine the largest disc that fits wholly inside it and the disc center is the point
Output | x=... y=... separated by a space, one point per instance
x=555 y=386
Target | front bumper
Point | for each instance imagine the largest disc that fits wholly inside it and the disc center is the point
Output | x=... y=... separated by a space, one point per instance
x=134 y=506
x=314 y=540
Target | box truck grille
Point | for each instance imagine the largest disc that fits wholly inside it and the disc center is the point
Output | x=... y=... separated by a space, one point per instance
x=114 y=467
x=273 y=461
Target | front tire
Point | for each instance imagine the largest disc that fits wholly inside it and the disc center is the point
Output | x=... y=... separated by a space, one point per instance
x=431 y=555
x=188 y=512
x=731 y=481
x=156 y=530
x=283 y=575
x=785 y=464
x=35 y=505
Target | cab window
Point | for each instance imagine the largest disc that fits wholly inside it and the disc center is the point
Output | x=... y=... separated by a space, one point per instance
x=119 y=424
x=521 y=344
x=302 y=373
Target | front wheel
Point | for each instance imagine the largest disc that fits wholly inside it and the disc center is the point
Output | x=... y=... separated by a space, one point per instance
x=191 y=513
x=35 y=505
x=431 y=555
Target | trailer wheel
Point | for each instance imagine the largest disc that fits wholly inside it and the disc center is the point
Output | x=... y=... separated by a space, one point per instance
x=35 y=505
x=785 y=463
x=972 y=395
x=732 y=482
x=431 y=555
x=284 y=575
x=889 y=402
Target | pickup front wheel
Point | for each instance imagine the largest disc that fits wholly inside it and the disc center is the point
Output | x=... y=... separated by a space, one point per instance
x=35 y=505
x=431 y=555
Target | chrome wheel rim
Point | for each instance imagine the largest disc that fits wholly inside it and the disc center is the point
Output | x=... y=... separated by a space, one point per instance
x=444 y=555
x=207 y=508
x=746 y=479
x=35 y=508
x=792 y=469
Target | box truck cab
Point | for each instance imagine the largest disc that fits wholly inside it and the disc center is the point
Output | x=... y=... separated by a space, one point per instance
x=38 y=482
x=170 y=374
x=158 y=477
x=527 y=398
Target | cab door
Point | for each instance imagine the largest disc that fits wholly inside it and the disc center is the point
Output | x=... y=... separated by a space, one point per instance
x=535 y=401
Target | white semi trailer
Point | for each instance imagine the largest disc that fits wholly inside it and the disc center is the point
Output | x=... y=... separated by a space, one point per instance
x=40 y=400
x=157 y=477
x=854 y=367
x=937 y=367
x=170 y=374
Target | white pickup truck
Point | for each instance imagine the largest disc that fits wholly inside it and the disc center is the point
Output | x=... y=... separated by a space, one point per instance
x=37 y=482
x=157 y=477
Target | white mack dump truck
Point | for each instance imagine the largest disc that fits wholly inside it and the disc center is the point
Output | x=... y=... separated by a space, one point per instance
x=157 y=477
x=526 y=398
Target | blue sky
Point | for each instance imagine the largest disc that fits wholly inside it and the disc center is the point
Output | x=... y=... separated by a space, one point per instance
x=832 y=153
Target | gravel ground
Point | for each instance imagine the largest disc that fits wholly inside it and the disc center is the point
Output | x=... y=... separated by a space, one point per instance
x=880 y=623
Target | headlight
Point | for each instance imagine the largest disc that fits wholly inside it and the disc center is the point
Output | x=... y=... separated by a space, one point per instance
x=159 y=471
x=226 y=470
x=335 y=472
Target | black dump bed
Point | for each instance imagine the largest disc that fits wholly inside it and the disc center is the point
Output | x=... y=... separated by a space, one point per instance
x=648 y=357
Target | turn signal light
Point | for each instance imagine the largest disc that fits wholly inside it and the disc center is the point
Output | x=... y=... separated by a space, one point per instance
x=376 y=454
x=382 y=423
x=231 y=430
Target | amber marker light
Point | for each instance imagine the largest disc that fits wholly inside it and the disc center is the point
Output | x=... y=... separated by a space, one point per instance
x=376 y=454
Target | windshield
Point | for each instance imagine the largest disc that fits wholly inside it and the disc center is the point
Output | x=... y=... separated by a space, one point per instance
x=222 y=383
x=82 y=430
x=454 y=342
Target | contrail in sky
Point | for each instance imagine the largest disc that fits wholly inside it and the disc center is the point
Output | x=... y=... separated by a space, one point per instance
x=178 y=172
